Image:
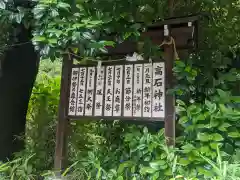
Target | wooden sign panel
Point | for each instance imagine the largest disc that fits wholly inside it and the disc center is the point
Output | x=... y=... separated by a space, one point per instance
x=122 y=91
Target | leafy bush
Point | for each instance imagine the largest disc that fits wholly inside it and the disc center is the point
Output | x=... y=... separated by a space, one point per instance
x=103 y=150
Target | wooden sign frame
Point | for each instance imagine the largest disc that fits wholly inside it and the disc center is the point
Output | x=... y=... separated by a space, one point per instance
x=184 y=25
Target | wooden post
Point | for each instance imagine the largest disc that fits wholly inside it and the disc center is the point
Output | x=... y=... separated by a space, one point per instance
x=63 y=121
x=170 y=100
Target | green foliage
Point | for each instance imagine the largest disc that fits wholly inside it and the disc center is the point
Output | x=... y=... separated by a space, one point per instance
x=42 y=116
x=20 y=168
x=224 y=169
x=85 y=25
x=141 y=155
x=207 y=108
x=81 y=25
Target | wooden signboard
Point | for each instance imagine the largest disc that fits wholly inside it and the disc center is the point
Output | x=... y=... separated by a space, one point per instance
x=126 y=90
x=122 y=91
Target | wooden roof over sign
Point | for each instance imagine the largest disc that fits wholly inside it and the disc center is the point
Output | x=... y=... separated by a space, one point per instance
x=175 y=21
x=184 y=30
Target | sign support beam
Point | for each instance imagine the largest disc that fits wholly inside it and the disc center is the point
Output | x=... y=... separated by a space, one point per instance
x=170 y=100
x=63 y=121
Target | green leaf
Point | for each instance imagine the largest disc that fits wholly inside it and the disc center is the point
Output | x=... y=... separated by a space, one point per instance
x=200 y=117
x=87 y=35
x=39 y=38
x=147 y=170
x=127 y=35
x=163 y=156
x=96 y=22
x=204 y=149
x=193 y=109
x=224 y=126
x=104 y=50
x=120 y=178
x=217 y=137
x=141 y=146
x=183 y=120
x=168 y=172
x=145 y=130
x=223 y=94
x=215 y=145
x=157 y=164
x=203 y=137
x=188 y=69
x=237 y=143
x=180 y=102
x=180 y=109
x=234 y=134
x=63 y=5
x=214 y=123
x=56 y=32
x=184 y=161
x=124 y=165
x=109 y=43
x=52 y=41
x=188 y=148
x=180 y=64
x=2 y=5
x=211 y=106
x=236 y=99
x=136 y=26
x=223 y=108
x=78 y=25
x=54 y=13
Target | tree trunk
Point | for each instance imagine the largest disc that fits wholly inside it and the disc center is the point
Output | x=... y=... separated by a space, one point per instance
x=19 y=70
